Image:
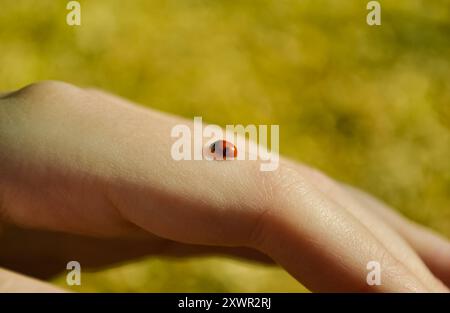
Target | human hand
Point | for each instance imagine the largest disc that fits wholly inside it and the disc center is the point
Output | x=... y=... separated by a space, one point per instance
x=91 y=172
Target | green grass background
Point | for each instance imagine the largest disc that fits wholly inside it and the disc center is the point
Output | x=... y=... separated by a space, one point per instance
x=368 y=105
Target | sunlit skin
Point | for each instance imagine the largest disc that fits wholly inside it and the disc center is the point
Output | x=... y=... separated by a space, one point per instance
x=91 y=174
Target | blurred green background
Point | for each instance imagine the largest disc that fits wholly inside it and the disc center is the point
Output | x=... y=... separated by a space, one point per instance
x=368 y=105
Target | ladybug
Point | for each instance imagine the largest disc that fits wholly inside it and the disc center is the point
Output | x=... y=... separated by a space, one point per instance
x=223 y=150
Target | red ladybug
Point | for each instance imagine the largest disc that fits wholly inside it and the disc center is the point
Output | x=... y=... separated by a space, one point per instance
x=223 y=150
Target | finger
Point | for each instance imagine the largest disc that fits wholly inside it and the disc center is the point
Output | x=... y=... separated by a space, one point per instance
x=431 y=247
x=389 y=238
x=323 y=245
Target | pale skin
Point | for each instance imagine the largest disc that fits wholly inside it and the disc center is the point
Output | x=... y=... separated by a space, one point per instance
x=92 y=174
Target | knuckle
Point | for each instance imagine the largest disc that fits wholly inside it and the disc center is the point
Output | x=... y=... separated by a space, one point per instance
x=290 y=182
x=258 y=231
x=44 y=89
x=258 y=227
x=43 y=96
x=276 y=187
